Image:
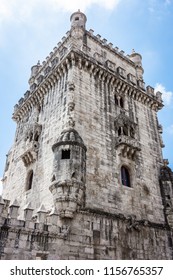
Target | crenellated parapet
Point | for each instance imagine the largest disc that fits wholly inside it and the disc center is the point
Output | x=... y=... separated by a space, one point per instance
x=35 y=222
x=67 y=53
x=33 y=235
x=119 y=81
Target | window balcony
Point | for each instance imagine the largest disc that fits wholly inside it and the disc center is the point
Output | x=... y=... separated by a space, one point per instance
x=127 y=146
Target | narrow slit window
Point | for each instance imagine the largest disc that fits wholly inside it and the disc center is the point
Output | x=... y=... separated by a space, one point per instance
x=65 y=154
x=119 y=131
x=125 y=177
x=29 y=181
x=121 y=103
x=116 y=100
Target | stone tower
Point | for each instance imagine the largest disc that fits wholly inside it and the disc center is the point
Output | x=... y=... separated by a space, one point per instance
x=85 y=172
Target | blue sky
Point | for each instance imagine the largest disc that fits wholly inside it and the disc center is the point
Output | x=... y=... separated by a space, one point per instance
x=29 y=30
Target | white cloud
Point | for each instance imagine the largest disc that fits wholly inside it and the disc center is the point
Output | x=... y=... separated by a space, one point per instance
x=19 y=10
x=13 y=10
x=83 y=5
x=166 y=95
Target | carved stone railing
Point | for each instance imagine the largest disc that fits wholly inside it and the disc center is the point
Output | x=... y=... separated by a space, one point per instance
x=30 y=155
x=128 y=146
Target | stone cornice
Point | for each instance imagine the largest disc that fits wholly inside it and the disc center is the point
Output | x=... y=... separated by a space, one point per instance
x=119 y=84
x=36 y=96
x=82 y=60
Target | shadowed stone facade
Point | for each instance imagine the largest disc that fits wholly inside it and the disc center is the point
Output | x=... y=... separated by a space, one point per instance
x=85 y=177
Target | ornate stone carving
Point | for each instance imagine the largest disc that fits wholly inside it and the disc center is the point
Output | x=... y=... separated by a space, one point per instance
x=126 y=140
x=68 y=187
x=31 y=144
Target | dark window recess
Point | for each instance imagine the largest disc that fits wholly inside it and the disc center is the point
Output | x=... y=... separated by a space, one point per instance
x=125 y=177
x=121 y=103
x=77 y=18
x=45 y=228
x=116 y=100
x=29 y=181
x=36 y=136
x=30 y=136
x=125 y=130
x=65 y=154
x=119 y=131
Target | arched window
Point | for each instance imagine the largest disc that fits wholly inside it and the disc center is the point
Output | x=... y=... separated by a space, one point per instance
x=36 y=136
x=119 y=101
x=125 y=177
x=125 y=130
x=132 y=132
x=29 y=180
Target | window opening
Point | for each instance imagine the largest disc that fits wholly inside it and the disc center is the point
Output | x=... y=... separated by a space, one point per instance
x=132 y=133
x=125 y=177
x=116 y=100
x=119 y=131
x=30 y=137
x=65 y=154
x=121 y=103
x=125 y=130
x=36 y=136
x=29 y=181
x=77 y=18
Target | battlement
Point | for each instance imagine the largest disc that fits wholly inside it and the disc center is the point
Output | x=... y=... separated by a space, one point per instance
x=58 y=62
x=42 y=236
x=110 y=46
x=38 y=221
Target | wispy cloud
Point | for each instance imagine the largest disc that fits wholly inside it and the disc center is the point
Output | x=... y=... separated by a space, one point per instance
x=19 y=10
x=16 y=11
x=83 y=5
x=158 y=8
x=166 y=95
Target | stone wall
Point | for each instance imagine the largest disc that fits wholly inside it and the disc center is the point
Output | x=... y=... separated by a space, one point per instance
x=90 y=235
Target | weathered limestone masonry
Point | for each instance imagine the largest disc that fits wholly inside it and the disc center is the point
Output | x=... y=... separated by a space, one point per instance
x=85 y=177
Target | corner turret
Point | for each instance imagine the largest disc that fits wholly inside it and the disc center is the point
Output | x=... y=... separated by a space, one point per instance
x=34 y=71
x=78 y=19
x=69 y=173
x=137 y=59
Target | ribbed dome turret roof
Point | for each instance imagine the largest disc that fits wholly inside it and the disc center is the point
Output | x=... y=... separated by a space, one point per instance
x=69 y=137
